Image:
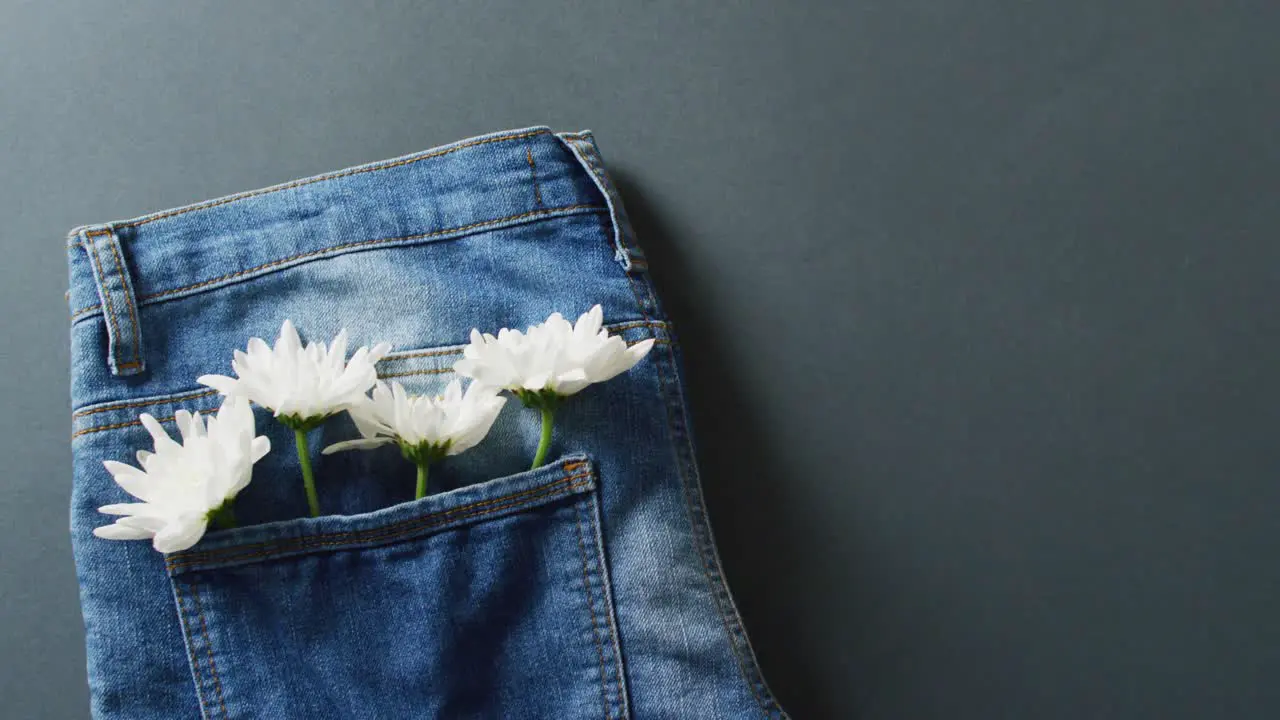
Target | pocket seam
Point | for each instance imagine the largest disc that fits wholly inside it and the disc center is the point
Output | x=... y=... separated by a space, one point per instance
x=591 y=610
x=572 y=480
x=208 y=645
x=115 y=414
x=569 y=484
x=185 y=611
x=197 y=674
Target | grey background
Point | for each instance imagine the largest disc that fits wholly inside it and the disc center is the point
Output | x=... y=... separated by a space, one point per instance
x=979 y=299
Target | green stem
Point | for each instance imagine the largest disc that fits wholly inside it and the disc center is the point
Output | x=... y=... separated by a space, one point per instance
x=225 y=516
x=422 y=480
x=545 y=443
x=308 y=476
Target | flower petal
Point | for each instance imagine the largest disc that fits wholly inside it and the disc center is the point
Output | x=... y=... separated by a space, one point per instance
x=124 y=508
x=258 y=448
x=116 y=531
x=221 y=383
x=379 y=351
x=357 y=444
x=180 y=535
x=157 y=432
x=289 y=342
x=183 y=482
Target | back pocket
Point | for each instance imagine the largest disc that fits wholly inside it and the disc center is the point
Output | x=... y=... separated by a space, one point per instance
x=490 y=601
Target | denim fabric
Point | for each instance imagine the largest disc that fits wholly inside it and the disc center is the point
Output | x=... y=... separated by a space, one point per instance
x=588 y=588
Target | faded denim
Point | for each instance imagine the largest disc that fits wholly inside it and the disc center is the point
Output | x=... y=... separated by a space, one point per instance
x=588 y=588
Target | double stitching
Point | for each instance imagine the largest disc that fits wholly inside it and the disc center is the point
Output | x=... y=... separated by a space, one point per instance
x=435 y=352
x=646 y=323
x=348 y=246
x=441 y=371
x=128 y=299
x=100 y=271
x=208 y=646
x=198 y=607
x=561 y=487
x=565 y=485
x=591 y=609
x=407 y=373
x=191 y=647
x=424 y=353
x=115 y=426
x=142 y=403
x=593 y=516
x=333 y=176
x=366 y=243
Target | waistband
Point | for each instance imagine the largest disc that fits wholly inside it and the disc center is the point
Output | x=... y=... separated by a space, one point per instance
x=482 y=183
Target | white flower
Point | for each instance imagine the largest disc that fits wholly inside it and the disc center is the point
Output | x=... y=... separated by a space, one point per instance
x=553 y=358
x=182 y=485
x=425 y=426
x=302 y=385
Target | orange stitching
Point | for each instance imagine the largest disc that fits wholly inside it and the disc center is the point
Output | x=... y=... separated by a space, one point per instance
x=434 y=352
x=591 y=608
x=550 y=491
x=106 y=291
x=364 y=243
x=429 y=371
x=186 y=632
x=117 y=426
x=330 y=176
x=142 y=403
x=114 y=426
x=615 y=327
x=574 y=466
x=438 y=371
x=208 y=646
x=610 y=620
x=377 y=534
x=635 y=324
x=481 y=508
x=346 y=246
x=424 y=353
x=128 y=300
x=533 y=173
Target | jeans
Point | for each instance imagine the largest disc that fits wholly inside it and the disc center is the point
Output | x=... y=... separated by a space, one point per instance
x=586 y=588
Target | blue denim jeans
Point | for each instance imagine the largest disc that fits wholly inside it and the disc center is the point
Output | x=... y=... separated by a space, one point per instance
x=587 y=588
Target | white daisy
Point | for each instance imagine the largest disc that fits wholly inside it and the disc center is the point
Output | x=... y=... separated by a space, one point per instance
x=303 y=385
x=551 y=360
x=426 y=427
x=184 y=485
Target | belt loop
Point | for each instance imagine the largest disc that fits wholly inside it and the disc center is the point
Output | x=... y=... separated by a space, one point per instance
x=119 y=304
x=583 y=147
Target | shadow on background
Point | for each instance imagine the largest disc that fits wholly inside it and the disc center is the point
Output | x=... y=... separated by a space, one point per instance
x=743 y=479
